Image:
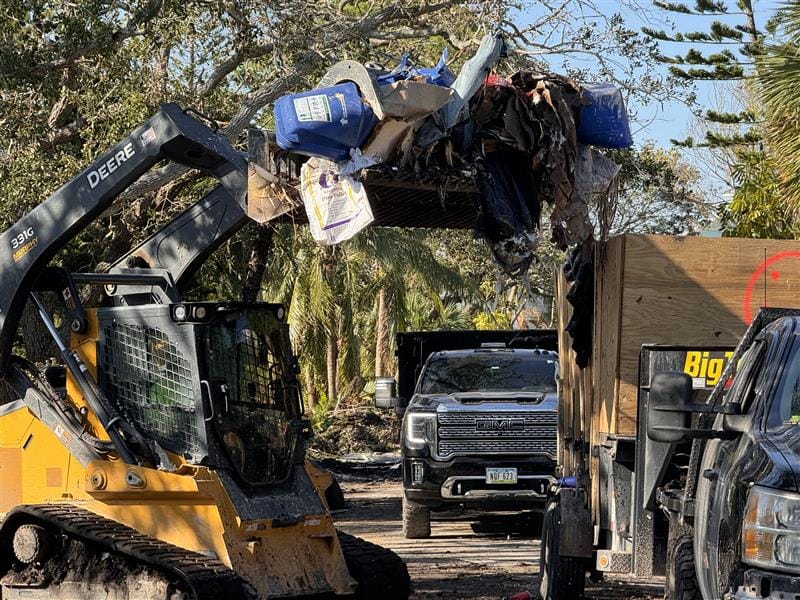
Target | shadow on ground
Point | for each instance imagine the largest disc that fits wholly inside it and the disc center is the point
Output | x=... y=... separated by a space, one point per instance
x=469 y=556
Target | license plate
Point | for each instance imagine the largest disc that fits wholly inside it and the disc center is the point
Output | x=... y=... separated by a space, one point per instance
x=498 y=475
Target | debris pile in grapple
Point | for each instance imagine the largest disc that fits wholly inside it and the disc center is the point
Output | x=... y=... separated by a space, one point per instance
x=519 y=141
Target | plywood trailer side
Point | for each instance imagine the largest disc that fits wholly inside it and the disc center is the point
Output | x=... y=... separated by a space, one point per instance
x=693 y=291
x=652 y=289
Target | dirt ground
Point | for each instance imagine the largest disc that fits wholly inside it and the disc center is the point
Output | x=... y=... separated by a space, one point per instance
x=456 y=562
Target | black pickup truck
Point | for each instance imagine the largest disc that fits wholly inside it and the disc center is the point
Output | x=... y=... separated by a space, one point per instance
x=734 y=518
x=480 y=422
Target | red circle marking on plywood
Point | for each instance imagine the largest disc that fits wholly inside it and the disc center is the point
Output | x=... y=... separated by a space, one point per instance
x=757 y=276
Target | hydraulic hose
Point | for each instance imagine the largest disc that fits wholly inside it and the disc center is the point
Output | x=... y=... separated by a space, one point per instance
x=25 y=375
x=87 y=386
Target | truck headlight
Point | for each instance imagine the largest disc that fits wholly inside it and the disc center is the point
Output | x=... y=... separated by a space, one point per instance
x=420 y=429
x=771 y=532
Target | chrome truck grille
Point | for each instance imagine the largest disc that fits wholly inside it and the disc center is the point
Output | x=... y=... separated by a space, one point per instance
x=463 y=433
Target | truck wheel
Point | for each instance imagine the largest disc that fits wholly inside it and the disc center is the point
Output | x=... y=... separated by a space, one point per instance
x=681 y=580
x=379 y=572
x=416 y=519
x=562 y=577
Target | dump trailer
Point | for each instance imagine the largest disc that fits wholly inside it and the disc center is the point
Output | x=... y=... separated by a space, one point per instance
x=636 y=306
x=164 y=457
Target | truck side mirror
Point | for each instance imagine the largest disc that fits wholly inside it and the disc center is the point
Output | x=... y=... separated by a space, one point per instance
x=669 y=409
x=385 y=395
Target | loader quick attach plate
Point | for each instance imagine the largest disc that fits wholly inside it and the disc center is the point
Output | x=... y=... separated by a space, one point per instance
x=206 y=578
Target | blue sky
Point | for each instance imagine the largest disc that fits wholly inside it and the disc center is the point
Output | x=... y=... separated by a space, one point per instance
x=675 y=120
x=655 y=121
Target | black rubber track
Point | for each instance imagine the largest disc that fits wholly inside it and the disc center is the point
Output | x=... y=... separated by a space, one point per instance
x=206 y=578
x=380 y=573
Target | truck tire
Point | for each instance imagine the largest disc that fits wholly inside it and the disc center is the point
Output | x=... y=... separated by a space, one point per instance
x=379 y=572
x=562 y=577
x=416 y=520
x=681 y=580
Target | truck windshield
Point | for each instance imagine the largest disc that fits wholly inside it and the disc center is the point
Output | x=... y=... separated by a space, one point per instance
x=788 y=395
x=489 y=372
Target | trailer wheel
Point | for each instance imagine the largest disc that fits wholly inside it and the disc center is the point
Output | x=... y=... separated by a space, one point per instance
x=562 y=577
x=416 y=519
x=681 y=580
x=380 y=573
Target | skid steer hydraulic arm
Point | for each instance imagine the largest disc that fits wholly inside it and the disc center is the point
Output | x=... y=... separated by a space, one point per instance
x=28 y=245
x=181 y=245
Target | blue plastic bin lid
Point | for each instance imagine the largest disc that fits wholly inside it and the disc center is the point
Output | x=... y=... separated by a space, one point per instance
x=439 y=74
x=604 y=122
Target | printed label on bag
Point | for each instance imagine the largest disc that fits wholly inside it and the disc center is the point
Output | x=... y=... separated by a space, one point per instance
x=313 y=108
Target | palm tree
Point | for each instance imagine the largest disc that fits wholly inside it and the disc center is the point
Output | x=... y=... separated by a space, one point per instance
x=778 y=80
x=343 y=297
x=401 y=263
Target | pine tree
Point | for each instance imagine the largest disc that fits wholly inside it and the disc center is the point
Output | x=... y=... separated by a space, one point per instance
x=737 y=44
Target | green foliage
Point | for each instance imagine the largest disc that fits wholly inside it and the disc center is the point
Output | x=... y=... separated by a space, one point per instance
x=700 y=7
x=721 y=31
x=673 y=7
x=709 y=6
x=661 y=192
x=757 y=208
x=717 y=73
x=778 y=81
x=730 y=118
x=748 y=138
x=491 y=320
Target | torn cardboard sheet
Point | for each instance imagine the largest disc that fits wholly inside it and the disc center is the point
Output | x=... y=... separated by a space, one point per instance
x=337 y=206
x=266 y=197
x=411 y=100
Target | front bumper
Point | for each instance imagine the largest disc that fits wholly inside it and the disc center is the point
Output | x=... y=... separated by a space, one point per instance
x=760 y=584
x=462 y=480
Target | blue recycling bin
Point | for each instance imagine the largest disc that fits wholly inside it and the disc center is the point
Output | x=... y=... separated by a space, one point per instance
x=325 y=122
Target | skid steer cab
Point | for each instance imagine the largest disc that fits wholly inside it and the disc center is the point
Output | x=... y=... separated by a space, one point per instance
x=164 y=458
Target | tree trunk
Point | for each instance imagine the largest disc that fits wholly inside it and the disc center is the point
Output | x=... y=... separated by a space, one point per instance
x=39 y=345
x=310 y=397
x=257 y=265
x=332 y=360
x=749 y=14
x=332 y=338
x=381 y=336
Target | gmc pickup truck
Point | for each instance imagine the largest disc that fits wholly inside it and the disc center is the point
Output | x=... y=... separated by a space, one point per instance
x=480 y=421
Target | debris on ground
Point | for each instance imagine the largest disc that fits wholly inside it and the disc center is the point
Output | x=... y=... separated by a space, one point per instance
x=458 y=562
x=357 y=430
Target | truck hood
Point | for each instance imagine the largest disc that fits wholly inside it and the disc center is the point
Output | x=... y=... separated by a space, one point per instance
x=509 y=399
